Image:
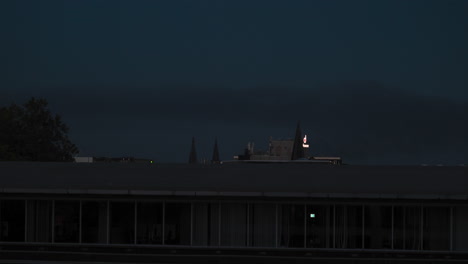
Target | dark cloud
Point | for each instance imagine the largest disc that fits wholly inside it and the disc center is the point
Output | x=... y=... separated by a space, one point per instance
x=364 y=122
x=141 y=78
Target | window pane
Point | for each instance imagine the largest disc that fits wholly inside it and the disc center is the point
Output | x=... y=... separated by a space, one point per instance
x=149 y=223
x=94 y=222
x=262 y=225
x=66 y=221
x=436 y=228
x=407 y=230
x=378 y=227
x=39 y=221
x=205 y=224
x=12 y=220
x=348 y=229
x=122 y=223
x=460 y=228
x=233 y=224
x=319 y=226
x=177 y=224
x=291 y=225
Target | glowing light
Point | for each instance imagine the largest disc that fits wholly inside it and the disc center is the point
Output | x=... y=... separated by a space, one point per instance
x=304 y=140
x=312 y=215
x=151 y=161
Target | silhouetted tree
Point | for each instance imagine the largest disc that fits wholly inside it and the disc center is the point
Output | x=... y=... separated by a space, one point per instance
x=32 y=133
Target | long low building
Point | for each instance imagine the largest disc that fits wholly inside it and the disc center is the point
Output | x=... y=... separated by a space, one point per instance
x=257 y=212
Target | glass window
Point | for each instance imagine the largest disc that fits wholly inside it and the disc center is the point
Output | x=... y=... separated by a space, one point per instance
x=12 y=220
x=436 y=228
x=66 y=221
x=39 y=221
x=407 y=227
x=460 y=228
x=94 y=222
x=262 y=225
x=149 y=223
x=348 y=226
x=233 y=224
x=122 y=223
x=291 y=225
x=378 y=227
x=319 y=221
x=177 y=224
x=206 y=224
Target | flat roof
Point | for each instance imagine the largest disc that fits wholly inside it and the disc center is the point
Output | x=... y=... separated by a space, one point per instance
x=268 y=180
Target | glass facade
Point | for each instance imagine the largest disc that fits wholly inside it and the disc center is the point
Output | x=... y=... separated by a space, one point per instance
x=39 y=221
x=233 y=224
x=94 y=219
x=262 y=225
x=122 y=223
x=291 y=225
x=66 y=221
x=319 y=226
x=177 y=224
x=149 y=223
x=236 y=224
x=206 y=228
x=12 y=227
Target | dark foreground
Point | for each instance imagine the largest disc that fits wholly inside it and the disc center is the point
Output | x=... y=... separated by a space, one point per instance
x=35 y=253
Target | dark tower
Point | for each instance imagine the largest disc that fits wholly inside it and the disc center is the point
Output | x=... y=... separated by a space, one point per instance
x=215 y=159
x=298 y=150
x=193 y=153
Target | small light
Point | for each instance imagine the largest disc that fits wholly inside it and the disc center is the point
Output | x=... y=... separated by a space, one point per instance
x=151 y=161
x=312 y=215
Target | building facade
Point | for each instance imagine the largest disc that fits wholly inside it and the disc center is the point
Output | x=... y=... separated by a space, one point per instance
x=272 y=220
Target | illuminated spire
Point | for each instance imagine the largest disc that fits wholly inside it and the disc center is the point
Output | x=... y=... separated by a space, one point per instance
x=193 y=153
x=298 y=150
x=215 y=158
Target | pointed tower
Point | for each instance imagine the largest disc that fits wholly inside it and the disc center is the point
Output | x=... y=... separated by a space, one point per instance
x=215 y=159
x=193 y=153
x=298 y=150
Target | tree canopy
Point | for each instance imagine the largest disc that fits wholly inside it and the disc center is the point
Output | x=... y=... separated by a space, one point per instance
x=32 y=133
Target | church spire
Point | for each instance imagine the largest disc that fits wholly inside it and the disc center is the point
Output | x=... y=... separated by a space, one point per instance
x=298 y=150
x=193 y=153
x=215 y=158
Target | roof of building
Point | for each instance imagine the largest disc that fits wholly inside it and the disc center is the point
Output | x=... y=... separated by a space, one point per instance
x=275 y=180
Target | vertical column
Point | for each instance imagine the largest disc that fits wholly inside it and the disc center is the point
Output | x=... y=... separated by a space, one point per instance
x=334 y=225
x=219 y=224
x=135 y=223
x=363 y=225
x=393 y=224
x=164 y=223
x=25 y=220
x=422 y=229
x=53 y=221
x=108 y=222
x=451 y=228
x=191 y=223
x=276 y=225
x=80 y=222
x=404 y=227
x=305 y=225
x=247 y=230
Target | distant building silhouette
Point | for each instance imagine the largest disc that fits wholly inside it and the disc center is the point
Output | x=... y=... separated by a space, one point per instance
x=298 y=150
x=285 y=150
x=215 y=159
x=193 y=153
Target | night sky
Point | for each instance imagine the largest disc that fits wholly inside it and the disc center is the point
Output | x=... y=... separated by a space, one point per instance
x=376 y=82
